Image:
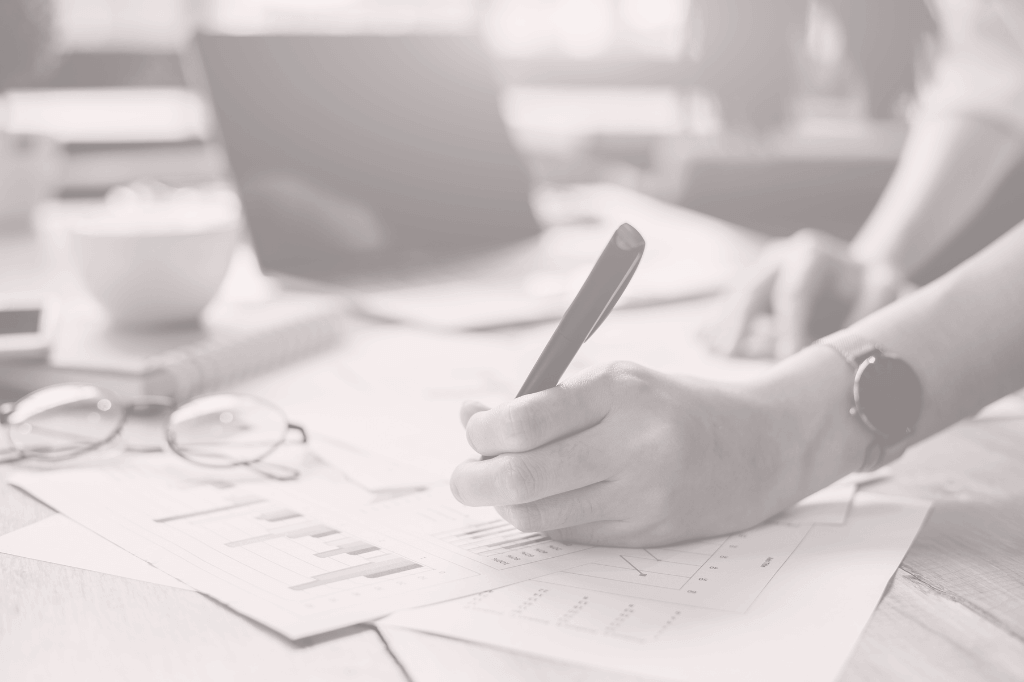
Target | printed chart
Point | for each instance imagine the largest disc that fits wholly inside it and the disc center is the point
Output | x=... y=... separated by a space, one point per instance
x=802 y=626
x=578 y=611
x=479 y=534
x=723 y=573
x=296 y=551
x=302 y=557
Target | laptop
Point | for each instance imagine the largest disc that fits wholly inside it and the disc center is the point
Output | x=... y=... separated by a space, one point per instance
x=366 y=152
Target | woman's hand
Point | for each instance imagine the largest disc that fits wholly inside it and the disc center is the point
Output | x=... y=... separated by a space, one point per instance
x=626 y=456
x=801 y=289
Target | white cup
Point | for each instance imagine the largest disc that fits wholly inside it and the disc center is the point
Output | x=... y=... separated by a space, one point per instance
x=155 y=264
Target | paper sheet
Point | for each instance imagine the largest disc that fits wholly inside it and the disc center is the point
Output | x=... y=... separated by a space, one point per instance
x=389 y=400
x=803 y=625
x=302 y=557
x=59 y=540
x=828 y=505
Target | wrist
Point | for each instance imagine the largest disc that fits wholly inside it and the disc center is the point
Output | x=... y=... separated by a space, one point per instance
x=874 y=258
x=810 y=396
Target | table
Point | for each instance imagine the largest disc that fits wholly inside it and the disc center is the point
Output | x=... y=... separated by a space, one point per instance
x=954 y=610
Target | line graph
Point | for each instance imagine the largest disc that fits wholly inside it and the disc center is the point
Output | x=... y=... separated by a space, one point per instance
x=726 y=573
x=667 y=567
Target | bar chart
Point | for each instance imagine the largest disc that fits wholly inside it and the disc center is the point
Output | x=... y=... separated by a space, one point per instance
x=502 y=545
x=300 y=553
x=303 y=557
x=479 y=534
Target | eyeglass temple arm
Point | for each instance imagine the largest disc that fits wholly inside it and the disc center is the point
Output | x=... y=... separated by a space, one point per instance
x=301 y=431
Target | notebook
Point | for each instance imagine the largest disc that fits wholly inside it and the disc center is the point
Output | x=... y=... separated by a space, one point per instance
x=237 y=339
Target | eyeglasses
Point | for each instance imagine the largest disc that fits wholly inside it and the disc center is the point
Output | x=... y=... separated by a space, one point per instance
x=61 y=422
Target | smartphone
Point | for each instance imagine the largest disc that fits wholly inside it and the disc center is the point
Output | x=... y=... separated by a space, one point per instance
x=28 y=323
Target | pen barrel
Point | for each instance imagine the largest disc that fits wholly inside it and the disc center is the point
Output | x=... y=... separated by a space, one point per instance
x=595 y=300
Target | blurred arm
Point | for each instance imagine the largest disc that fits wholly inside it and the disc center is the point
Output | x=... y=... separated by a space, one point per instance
x=966 y=137
x=949 y=168
x=964 y=333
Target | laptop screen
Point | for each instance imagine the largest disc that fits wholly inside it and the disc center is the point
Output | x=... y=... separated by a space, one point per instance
x=346 y=147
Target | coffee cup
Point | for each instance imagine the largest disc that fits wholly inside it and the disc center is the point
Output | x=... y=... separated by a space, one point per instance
x=155 y=264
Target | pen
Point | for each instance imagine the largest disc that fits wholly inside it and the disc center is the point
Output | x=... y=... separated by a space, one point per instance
x=597 y=297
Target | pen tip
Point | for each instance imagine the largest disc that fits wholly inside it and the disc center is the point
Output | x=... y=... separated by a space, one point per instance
x=627 y=238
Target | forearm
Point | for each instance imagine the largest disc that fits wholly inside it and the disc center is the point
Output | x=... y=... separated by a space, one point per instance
x=963 y=335
x=949 y=167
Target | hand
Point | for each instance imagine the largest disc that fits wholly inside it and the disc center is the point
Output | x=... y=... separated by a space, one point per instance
x=801 y=289
x=626 y=456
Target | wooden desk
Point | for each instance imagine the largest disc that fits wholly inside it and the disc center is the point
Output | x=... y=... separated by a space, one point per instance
x=955 y=610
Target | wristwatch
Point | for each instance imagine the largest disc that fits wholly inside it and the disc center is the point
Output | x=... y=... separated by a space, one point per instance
x=887 y=396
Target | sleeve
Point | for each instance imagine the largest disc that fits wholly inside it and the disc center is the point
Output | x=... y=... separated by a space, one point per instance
x=980 y=67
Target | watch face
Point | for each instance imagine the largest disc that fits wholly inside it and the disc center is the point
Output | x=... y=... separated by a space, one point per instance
x=888 y=396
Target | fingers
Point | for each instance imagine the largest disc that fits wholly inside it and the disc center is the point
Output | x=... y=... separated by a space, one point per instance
x=748 y=301
x=469 y=408
x=793 y=299
x=814 y=289
x=880 y=286
x=588 y=505
x=606 y=533
x=522 y=478
x=531 y=421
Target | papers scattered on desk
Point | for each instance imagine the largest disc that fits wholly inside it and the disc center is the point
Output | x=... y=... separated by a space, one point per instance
x=59 y=540
x=311 y=557
x=803 y=624
x=392 y=395
x=302 y=557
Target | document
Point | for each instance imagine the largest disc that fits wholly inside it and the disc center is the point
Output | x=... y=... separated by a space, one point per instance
x=302 y=557
x=828 y=505
x=59 y=540
x=799 y=624
x=387 y=402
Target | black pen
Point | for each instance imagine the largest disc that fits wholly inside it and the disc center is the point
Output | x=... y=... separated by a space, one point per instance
x=595 y=300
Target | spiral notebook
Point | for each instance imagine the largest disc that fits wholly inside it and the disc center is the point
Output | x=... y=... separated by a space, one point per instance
x=236 y=340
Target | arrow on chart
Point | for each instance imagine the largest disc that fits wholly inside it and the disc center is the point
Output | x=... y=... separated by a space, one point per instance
x=642 y=574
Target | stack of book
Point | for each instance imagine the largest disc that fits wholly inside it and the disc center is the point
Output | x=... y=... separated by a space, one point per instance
x=236 y=340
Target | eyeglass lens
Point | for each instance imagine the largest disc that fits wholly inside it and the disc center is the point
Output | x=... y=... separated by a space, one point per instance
x=63 y=421
x=226 y=430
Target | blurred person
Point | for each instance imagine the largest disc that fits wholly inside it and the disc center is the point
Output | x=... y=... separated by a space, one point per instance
x=965 y=137
x=744 y=56
x=25 y=39
x=25 y=34
x=746 y=53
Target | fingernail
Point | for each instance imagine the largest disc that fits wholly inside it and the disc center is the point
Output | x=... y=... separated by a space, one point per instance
x=469 y=408
x=455 y=490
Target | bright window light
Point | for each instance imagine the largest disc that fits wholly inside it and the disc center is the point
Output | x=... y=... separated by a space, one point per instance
x=585 y=29
x=519 y=28
x=653 y=16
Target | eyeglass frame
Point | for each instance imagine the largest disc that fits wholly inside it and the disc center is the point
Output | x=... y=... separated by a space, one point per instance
x=131 y=407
